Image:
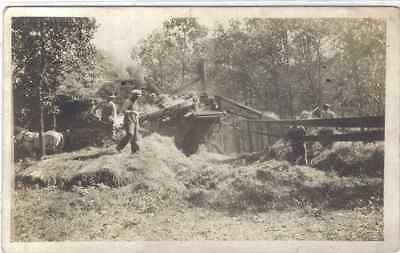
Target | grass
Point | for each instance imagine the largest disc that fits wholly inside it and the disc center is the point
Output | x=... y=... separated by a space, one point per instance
x=97 y=194
x=50 y=214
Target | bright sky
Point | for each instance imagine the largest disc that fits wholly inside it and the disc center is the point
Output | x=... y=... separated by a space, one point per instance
x=121 y=28
x=117 y=34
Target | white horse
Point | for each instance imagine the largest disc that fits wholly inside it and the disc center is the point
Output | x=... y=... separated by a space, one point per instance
x=29 y=142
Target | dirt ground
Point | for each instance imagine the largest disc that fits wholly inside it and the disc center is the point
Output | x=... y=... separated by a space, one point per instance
x=52 y=215
x=160 y=194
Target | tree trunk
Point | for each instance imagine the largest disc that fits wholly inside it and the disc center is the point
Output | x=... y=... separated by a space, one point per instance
x=320 y=98
x=289 y=85
x=277 y=98
x=41 y=124
x=160 y=65
x=308 y=70
x=54 y=121
x=41 y=120
x=183 y=58
x=203 y=75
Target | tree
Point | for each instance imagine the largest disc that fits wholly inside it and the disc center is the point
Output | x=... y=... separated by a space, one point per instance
x=46 y=52
x=359 y=66
x=280 y=65
x=171 y=54
x=184 y=34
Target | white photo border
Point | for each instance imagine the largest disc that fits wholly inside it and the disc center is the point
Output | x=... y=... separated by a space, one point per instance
x=391 y=241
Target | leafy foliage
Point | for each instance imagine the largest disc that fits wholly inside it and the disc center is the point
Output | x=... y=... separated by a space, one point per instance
x=280 y=65
x=170 y=55
x=52 y=54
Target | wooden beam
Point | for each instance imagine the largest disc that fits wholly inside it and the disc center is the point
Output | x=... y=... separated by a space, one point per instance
x=366 y=122
x=208 y=114
x=239 y=105
x=186 y=105
x=249 y=136
x=378 y=135
x=241 y=115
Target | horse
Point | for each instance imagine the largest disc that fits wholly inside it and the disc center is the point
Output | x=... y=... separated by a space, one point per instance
x=29 y=142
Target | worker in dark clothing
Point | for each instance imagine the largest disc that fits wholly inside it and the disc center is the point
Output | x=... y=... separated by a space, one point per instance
x=295 y=136
x=131 y=122
x=108 y=114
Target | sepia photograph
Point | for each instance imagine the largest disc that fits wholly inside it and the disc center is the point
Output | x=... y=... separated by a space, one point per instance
x=203 y=124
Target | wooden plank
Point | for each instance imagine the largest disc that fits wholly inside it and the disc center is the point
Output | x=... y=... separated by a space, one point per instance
x=263 y=133
x=208 y=114
x=183 y=106
x=249 y=136
x=208 y=117
x=261 y=139
x=366 y=122
x=243 y=141
x=376 y=135
x=233 y=112
x=246 y=108
x=237 y=141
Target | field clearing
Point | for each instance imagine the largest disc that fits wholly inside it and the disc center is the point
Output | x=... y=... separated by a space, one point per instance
x=110 y=215
x=160 y=194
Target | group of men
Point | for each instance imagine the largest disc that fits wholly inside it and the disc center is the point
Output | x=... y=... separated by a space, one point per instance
x=131 y=112
x=296 y=134
x=325 y=113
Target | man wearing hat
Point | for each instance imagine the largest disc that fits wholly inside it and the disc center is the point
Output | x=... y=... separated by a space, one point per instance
x=295 y=136
x=130 y=109
x=327 y=113
x=108 y=113
x=326 y=132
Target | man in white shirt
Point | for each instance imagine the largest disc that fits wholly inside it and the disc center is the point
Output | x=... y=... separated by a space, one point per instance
x=130 y=109
x=327 y=113
x=109 y=113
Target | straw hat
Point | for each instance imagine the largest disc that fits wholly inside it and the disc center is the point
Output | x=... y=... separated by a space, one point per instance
x=137 y=92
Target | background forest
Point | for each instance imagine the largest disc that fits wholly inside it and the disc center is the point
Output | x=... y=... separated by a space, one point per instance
x=279 y=65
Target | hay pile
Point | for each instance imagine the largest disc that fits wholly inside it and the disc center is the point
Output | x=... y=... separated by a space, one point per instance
x=345 y=158
x=212 y=180
x=281 y=149
x=159 y=164
x=157 y=161
x=355 y=158
x=347 y=174
x=203 y=154
x=275 y=184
